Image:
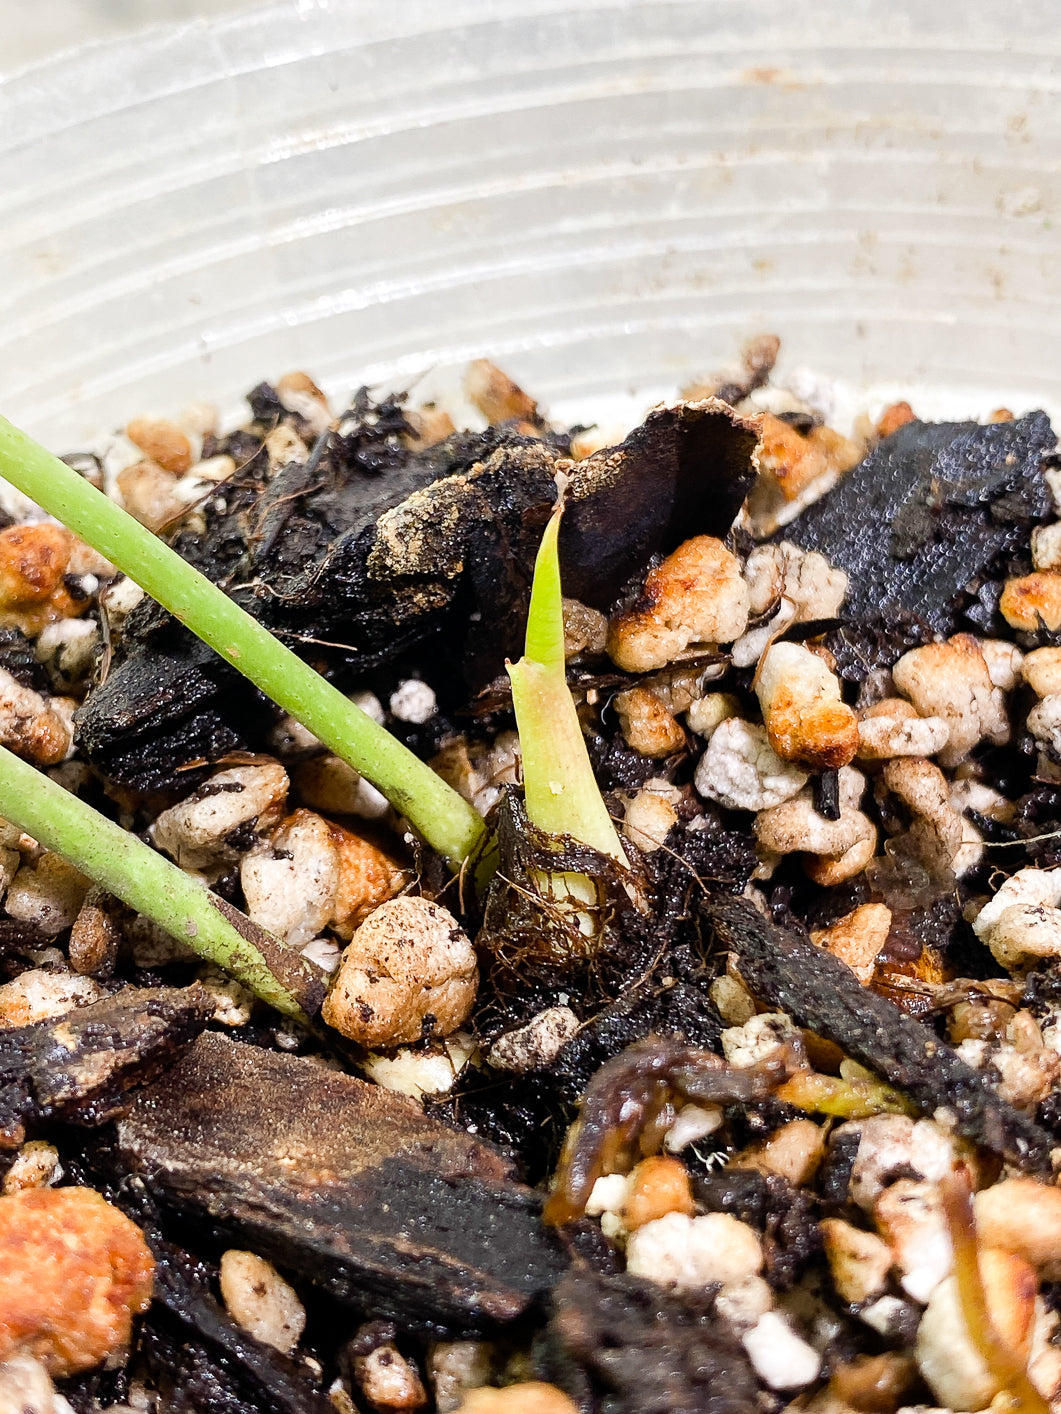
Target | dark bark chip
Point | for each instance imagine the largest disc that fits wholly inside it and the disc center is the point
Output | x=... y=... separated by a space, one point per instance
x=822 y=994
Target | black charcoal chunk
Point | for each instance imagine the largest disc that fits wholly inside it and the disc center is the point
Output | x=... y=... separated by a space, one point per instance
x=77 y=1067
x=685 y=471
x=265 y=405
x=18 y=658
x=863 y=648
x=827 y=795
x=619 y=1345
x=819 y=992
x=169 y=704
x=355 y=563
x=931 y=515
x=93 y=1390
x=203 y=1359
x=345 y=1185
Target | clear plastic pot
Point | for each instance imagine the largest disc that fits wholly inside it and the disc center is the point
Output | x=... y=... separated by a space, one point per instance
x=606 y=198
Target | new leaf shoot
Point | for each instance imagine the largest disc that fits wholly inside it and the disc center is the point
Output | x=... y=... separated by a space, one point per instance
x=560 y=789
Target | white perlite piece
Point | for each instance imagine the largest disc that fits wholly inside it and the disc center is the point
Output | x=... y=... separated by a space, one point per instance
x=707 y=713
x=803 y=585
x=794 y=825
x=409 y=969
x=892 y=727
x=233 y=1004
x=414 y=702
x=1004 y=662
x=733 y=1002
x=909 y=1216
x=325 y=952
x=67 y=649
x=694 y=1122
x=1046 y=546
x=857 y=938
x=696 y=595
x=943 y=838
x=299 y=394
x=1023 y=920
x=199 y=418
x=118 y=599
x=454 y=1366
x=751 y=646
x=388 y=1381
x=813 y=587
x=368 y=703
x=890 y=1145
x=330 y=784
x=1044 y=720
x=649 y=815
x=48 y=894
x=889 y=1316
x=806 y=719
x=781 y=1358
x=33 y=726
x=38 y=995
x=609 y=1194
x=758 y=1038
x=422 y=1072
x=1041 y=670
x=742 y=771
x=36 y=1166
x=647 y=722
x=257 y=1297
x=283 y=446
x=858 y=1260
x=691 y=1253
x=290 y=883
x=952 y=680
x=26 y=1388
x=743 y=1302
x=535 y=1045
x=194 y=832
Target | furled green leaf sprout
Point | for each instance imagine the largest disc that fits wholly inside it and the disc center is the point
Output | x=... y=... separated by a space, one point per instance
x=560 y=789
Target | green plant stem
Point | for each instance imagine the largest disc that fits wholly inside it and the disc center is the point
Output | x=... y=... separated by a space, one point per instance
x=149 y=883
x=444 y=818
x=560 y=788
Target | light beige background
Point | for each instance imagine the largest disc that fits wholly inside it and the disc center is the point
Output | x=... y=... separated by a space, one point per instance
x=35 y=29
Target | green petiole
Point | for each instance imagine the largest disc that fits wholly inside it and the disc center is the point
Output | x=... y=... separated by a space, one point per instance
x=448 y=823
x=149 y=883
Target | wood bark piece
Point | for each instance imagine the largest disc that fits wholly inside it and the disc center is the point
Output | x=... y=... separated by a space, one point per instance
x=436 y=550
x=77 y=1067
x=821 y=993
x=343 y=1184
